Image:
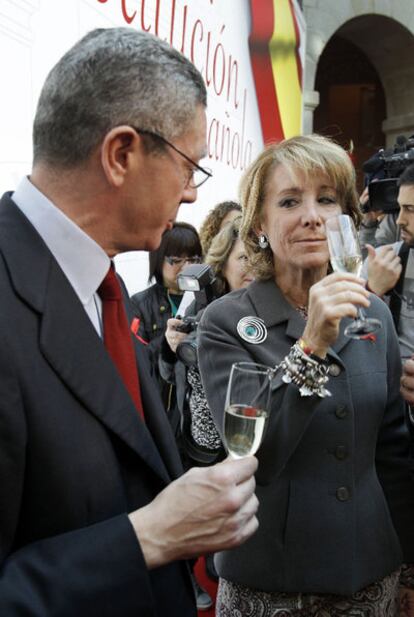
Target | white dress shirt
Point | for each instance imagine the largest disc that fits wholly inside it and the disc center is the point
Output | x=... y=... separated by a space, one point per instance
x=82 y=260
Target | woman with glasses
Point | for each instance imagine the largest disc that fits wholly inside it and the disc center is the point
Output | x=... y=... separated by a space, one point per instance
x=156 y=304
x=201 y=442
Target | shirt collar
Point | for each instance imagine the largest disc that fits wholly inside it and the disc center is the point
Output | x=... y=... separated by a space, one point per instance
x=82 y=260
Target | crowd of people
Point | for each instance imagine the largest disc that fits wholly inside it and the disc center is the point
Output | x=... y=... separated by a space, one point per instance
x=113 y=470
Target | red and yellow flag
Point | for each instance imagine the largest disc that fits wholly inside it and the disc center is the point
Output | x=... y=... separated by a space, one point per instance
x=274 y=43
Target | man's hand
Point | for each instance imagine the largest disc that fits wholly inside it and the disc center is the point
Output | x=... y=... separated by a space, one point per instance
x=384 y=269
x=407 y=381
x=208 y=509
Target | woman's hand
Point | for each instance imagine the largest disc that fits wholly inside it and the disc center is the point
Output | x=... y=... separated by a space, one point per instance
x=336 y=296
x=173 y=336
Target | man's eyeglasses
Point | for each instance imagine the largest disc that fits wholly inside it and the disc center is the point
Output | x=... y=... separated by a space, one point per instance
x=199 y=174
x=180 y=261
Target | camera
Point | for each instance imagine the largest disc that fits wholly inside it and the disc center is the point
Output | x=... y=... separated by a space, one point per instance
x=383 y=170
x=198 y=278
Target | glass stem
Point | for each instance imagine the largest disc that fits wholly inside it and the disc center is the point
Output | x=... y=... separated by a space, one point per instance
x=361 y=314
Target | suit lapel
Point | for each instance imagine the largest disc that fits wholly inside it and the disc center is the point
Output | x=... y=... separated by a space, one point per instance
x=157 y=420
x=68 y=340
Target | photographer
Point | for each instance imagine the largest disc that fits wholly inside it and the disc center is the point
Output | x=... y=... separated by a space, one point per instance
x=200 y=439
x=390 y=268
x=377 y=228
x=378 y=201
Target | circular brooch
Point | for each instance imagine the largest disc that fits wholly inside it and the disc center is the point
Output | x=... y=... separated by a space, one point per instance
x=252 y=330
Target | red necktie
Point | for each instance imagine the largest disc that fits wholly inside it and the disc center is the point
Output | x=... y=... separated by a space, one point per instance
x=117 y=337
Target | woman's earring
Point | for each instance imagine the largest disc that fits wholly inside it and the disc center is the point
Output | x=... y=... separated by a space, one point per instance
x=263 y=241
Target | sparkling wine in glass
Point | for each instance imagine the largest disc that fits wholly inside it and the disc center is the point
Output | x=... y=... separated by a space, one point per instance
x=346 y=256
x=247 y=408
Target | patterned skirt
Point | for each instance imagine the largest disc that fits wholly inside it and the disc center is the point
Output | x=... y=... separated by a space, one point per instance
x=377 y=600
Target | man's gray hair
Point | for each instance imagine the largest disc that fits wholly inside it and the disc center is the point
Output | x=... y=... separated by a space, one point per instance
x=111 y=77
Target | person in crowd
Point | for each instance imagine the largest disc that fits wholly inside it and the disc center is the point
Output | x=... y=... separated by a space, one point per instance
x=336 y=497
x=153 y=306
x=96 y=519
x=377 y=228
x=201 y=440
x=218 y=216
x=390 y=268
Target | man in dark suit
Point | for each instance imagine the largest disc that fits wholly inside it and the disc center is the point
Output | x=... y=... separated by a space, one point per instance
x=95 y=519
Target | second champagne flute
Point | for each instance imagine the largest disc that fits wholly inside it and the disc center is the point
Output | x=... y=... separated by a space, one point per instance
x=247 y=408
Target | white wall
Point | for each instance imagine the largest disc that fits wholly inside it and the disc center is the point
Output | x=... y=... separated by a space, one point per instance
x=213 y=33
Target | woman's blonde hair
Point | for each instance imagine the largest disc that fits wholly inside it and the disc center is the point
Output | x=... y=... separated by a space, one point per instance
x=212 y=223
x=306 y=154
x=219 y=252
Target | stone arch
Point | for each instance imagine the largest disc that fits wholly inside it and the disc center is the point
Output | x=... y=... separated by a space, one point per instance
x=385 y=37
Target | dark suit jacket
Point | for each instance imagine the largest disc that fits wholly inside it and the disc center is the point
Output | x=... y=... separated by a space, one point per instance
x=74 y=456
x=333 y=480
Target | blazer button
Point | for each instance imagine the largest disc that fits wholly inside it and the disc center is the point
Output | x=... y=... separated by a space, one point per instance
x=342 y=493
x=163 y=308
x=334 y=370
x=341 y=412
x=341 y=453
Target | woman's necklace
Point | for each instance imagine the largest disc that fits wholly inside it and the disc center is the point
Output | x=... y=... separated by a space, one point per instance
x=303 y=311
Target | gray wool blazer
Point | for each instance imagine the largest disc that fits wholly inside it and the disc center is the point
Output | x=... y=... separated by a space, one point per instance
x=335 y=491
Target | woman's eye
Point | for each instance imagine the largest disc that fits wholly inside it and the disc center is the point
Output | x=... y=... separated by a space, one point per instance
x=243 y=258
x=327 y=200
x=288 y=203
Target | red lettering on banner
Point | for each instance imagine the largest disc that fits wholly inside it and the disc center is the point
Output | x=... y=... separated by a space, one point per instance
x=184 y=28
x=219 y=90
x=192 y=54
x=206 y=76
x=157 y=17
x=225 y=133
x=128 y=18
x=233 y=65
x=143 y=18
x=172 y=22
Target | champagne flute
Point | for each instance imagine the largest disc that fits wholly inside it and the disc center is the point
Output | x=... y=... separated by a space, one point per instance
x=346 y=256
x=247 y=408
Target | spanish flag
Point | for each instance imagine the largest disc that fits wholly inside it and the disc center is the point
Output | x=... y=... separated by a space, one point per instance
x=277 y=68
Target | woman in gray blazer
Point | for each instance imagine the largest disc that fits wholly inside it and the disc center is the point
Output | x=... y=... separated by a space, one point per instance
x=336 y=499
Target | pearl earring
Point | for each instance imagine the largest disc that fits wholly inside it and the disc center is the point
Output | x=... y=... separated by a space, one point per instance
x=263 y=241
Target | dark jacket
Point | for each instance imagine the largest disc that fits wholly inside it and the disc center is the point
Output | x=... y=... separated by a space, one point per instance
x=74 y=456
x=153 y=309
x=333 y=482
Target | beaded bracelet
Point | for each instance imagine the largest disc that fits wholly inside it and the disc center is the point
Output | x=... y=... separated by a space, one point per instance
x=306 y=371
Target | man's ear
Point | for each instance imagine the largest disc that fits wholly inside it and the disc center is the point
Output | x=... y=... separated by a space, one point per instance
x=119 y=150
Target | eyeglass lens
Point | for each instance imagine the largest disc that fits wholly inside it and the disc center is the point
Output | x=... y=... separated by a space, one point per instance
x=179 y=261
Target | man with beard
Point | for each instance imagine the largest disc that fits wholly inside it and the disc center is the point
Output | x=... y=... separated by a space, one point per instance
x=390 y=269
x=391 y=273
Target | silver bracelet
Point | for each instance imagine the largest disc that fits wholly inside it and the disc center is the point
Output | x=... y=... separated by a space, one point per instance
x=306 y=372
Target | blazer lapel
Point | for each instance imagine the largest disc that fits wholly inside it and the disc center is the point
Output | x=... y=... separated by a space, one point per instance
x=67 y=338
